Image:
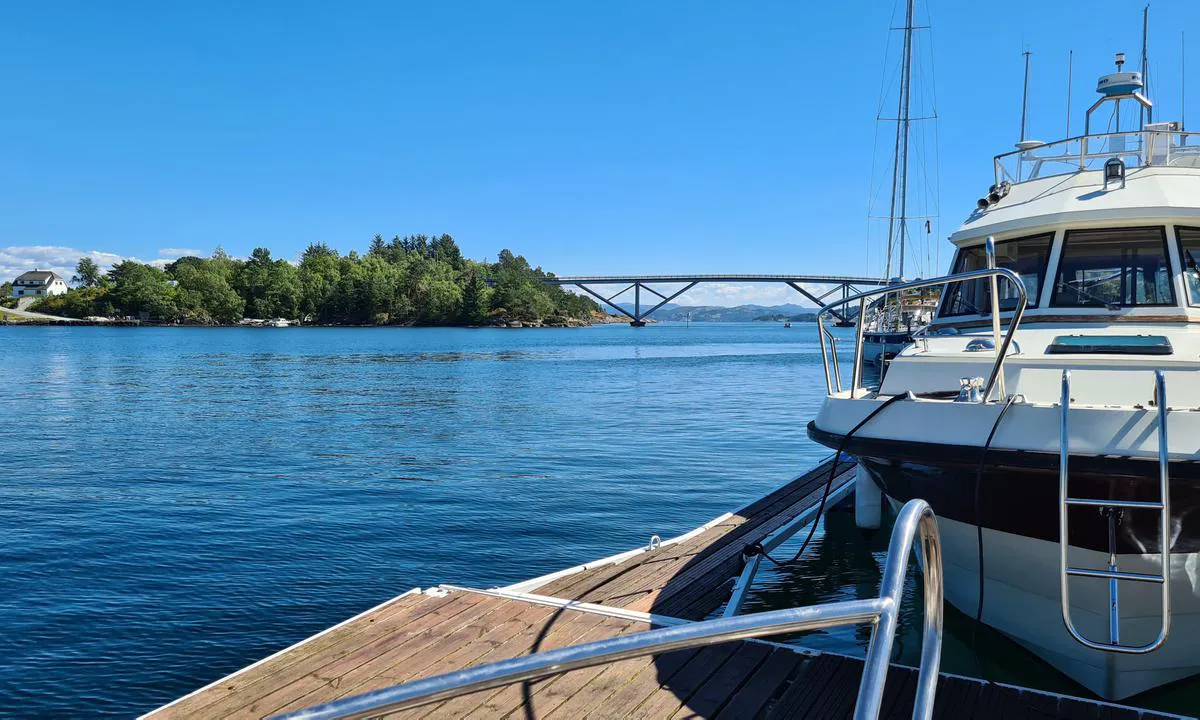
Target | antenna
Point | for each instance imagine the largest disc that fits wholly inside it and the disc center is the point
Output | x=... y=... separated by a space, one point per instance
x=1025 y=95
x=1145 y=60
x=1070 y=62
x=1182 y=83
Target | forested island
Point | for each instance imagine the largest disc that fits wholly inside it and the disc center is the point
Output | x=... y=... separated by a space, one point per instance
x=411 y=280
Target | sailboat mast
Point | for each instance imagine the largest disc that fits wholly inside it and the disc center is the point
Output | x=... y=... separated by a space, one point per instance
x=898 y=224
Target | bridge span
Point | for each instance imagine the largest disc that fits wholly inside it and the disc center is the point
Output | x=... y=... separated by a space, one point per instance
x=847 y=284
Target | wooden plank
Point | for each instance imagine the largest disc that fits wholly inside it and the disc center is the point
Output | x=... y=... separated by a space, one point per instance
x=836 y=698
x=410 y=606
x=574 y=586
x=646 y=682
x=1038 y=705
x=685 y=683
x=599 y=690
x=461 y=648
x=970 y=698
x=803 y=692
x=512 y=696
x=762 y=686
x=549 y=694
x=714 y=566
x=719 y=688
x=903 y=686
x=987 y=706
x=526 y=625
x=269 y=677
x=451 y=652
x=1116 y=713
x=798 y=496
x=701 y=606
x=951 y=699
x=544 y=635
x=646 y=576
x=328 y=676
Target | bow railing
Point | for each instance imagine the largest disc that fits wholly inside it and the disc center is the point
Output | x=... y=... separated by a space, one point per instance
x=824 y=336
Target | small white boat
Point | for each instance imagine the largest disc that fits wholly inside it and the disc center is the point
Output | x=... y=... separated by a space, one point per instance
x=278 y=323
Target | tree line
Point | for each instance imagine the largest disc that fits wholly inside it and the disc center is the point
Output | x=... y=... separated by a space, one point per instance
x=411 y=280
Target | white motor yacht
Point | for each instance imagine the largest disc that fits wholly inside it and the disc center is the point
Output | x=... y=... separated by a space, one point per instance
x=1050 y=414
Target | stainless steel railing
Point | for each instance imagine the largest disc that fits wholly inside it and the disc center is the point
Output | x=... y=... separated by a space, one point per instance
x=946 y=281
x=916 y=520
x=1136 y=148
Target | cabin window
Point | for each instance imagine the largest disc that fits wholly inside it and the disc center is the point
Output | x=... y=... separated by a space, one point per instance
x=1120 y=267
x=1189 y=255
x=1025 y=256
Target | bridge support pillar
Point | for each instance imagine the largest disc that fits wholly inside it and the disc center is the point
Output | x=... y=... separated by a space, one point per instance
x=637 y=318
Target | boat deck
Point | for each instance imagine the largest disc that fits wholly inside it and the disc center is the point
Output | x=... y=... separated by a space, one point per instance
x=420 y=634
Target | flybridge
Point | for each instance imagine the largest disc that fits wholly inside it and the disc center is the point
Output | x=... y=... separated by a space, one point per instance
x=1150 y=144
x=848 y=285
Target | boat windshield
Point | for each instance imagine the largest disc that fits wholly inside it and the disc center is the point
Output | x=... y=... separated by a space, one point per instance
x=1117 y=267
x=1026 y=256
x=1189 y=254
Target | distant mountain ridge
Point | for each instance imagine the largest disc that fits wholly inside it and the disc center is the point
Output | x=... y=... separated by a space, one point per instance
x=738 y=313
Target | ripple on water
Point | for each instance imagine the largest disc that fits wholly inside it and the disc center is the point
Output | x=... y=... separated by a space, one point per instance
x=186 y=501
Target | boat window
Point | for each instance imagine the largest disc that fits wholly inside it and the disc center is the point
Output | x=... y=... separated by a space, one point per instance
x=1026 y=256
x=1120 y=267
x=1110 y=345
x=1189 y=255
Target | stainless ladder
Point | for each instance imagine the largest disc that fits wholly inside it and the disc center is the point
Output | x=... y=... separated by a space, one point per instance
x=1111 y=507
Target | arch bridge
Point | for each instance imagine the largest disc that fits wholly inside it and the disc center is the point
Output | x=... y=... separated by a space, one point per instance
x=846 y=284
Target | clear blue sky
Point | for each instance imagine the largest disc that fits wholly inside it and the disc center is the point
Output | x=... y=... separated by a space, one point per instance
x=664 y=136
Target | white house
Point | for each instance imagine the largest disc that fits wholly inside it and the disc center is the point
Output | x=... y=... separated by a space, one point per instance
x=38 y=283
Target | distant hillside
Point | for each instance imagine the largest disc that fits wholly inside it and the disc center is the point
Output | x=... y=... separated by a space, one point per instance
x=739 y=313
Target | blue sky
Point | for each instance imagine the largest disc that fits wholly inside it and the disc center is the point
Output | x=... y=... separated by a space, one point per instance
x=615 y=137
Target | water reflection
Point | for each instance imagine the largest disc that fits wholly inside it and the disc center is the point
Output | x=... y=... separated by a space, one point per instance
x=846 y=563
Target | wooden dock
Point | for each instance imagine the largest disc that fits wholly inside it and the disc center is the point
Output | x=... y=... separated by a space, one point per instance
x=421 y=634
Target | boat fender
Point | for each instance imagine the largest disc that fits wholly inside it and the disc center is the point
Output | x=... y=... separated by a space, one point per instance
x=868 y=501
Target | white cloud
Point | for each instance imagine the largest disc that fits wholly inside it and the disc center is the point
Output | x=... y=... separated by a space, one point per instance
x=16 y=259
x=175 y=253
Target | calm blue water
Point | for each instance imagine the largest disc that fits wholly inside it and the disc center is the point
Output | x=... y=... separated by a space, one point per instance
x=177 y=503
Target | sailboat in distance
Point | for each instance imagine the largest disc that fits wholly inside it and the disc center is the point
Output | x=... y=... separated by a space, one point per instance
x=890 y=322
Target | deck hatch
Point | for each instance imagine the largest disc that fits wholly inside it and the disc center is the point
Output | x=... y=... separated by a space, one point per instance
x=1110 y=345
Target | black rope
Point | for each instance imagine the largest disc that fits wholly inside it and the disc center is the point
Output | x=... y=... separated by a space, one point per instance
x=979 y=532
x=757 y=548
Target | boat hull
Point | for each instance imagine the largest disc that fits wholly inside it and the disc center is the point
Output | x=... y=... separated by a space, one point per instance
x=1018 y=511
x=881 y=346
x=1021 y=600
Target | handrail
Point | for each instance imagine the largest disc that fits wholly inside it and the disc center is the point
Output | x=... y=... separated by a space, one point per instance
x=1083 y=156
x=946 y=281
x=916 y=519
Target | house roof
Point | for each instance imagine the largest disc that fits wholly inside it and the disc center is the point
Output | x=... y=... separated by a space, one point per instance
x=42 y=276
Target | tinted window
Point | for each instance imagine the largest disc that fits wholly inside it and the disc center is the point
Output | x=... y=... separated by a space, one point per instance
x=1189 y=254
x=1118 y=267
x=1025 y=256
